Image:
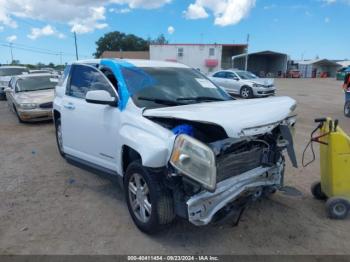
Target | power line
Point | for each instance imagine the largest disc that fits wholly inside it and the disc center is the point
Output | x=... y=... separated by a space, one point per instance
x=38 y=50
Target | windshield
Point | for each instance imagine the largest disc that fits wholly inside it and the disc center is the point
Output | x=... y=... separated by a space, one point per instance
x=36 y=83
x=12 y=71
x=246 y=75
x=152 y=87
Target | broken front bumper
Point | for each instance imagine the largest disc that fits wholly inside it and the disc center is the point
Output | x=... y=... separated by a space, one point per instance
x=203 y=206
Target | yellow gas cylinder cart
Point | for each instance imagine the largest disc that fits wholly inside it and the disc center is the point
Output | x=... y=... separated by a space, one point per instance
x=335 y=167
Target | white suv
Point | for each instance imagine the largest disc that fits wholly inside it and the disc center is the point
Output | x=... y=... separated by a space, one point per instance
x=244 y=83
x=180 y=145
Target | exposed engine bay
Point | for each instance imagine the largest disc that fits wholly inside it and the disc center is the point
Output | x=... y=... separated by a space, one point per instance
x=244 y=167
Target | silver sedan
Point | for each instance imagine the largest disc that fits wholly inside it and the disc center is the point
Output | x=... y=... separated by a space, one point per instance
x=30 y=97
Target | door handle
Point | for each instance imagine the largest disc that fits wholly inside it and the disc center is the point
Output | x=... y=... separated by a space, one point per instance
x=69 y=106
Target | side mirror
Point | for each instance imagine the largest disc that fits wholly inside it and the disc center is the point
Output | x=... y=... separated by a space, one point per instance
x=101 y=97
x=236 y=78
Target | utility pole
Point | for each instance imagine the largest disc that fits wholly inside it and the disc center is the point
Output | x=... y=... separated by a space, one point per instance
x=11 y=52
x=60 y=58
x=247 y=54
x=76 y=46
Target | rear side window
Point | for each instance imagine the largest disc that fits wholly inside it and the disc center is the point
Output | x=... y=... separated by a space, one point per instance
x=220 y=75
x=86 y=78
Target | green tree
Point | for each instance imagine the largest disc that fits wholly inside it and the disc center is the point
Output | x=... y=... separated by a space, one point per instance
x=160 y=40
x=116 y=41
x=15 y=62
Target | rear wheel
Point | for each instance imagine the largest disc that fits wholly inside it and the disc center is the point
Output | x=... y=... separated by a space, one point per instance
x=246 y=92
x=317 y=192
x=337 y=208
x=59 y=137
x=347 y=109
x=150 y=204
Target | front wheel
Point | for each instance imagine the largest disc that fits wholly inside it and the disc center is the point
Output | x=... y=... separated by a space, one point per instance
x=18 y=116
x=347 y=109
x=246 y=92
x=150 y=204
x=337 y=208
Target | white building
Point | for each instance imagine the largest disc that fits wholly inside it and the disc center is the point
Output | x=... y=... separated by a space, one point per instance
x=318 y=68
x=205 y=57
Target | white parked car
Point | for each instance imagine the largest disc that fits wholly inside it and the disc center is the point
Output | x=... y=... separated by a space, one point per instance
x=243 y=83
x=179 y=144
x=6 y=73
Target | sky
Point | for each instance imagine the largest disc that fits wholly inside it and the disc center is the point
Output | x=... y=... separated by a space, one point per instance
x=42 y=30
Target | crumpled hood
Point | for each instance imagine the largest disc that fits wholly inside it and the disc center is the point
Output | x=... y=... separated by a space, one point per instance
x=261 y=81
x=234 y=116
x=38 y=97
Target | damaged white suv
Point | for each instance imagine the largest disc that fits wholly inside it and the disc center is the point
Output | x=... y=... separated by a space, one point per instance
x=180 y=145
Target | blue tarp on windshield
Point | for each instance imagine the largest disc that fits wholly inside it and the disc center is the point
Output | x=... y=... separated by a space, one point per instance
x=131 y=79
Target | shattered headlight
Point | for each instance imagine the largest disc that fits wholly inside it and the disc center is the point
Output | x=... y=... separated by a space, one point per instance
x=195 y=160
x=28 y=106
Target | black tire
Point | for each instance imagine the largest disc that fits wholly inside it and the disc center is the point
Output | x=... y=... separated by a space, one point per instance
x=347 y=109
x=158 y=197
x=337 y=208
x=317 y=192
x=246 y=92
x=269 y=191
x=18 y=117
x=3 y=97
x=58 y=132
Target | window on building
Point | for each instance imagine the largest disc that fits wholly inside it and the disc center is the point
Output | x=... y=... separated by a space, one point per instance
x=180 y=52
x=212 y=51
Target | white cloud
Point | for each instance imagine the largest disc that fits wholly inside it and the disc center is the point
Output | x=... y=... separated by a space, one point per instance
x=171 y=30
x=82 y=15
x=90 y=22
x=226 y=12
x=328 y=2
x=119 y=11
x=195 y=11
x=268 y=7
x=11 y=38
x=146 y=4
x=47 y=30
x=2 y=28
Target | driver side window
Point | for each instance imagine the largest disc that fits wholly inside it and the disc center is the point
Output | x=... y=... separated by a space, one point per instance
x=86 y=78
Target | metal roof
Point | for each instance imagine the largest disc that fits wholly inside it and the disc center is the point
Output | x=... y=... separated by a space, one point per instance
x=317 y=61
x=266 y=52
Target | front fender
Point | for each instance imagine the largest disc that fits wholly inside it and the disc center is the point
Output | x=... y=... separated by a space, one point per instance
x=153 y=145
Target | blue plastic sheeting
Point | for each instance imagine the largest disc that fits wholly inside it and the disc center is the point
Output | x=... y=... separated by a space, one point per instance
x=122 y=87
x=131 y=79
x=183 y=130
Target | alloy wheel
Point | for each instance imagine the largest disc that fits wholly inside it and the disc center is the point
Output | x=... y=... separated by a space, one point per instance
x=139 y=197
x=245 y=92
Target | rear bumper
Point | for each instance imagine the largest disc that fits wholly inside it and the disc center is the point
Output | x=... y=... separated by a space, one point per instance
x=203 y=206
x=35 y=114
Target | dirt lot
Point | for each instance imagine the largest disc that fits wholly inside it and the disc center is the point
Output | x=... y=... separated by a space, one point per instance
x=50 y=207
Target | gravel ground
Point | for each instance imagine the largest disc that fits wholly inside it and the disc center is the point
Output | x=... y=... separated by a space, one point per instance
x=50 y=207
